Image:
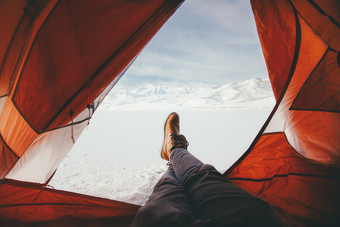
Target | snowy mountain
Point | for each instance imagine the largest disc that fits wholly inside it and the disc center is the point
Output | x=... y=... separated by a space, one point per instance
x=254 y=93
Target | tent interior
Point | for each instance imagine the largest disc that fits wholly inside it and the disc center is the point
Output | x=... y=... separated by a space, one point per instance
x=47 y=96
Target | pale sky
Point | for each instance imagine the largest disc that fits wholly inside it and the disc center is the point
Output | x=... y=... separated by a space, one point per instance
x=206 y=42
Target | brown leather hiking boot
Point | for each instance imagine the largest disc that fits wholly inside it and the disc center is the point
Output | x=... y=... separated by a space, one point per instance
x=172 y=138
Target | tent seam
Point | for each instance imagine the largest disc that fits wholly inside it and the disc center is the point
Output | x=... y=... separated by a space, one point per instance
x=103 y=65
x=317 y=7
x=284 y=175
x=9 y=147
x=38 y=186
x=8 y=50
x=290 y=76
x=33 y=42
x=300 y=91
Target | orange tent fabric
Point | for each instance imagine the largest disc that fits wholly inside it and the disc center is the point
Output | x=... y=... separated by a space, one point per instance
x=294 y=163
x=58 y=60
x=35 y=205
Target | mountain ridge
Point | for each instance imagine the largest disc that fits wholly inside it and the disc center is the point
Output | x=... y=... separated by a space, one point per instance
x=253 y=93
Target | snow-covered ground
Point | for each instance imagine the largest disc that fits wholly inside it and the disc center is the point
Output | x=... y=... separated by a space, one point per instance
x=118 y=155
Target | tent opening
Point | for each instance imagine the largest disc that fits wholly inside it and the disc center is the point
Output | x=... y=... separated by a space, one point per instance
x=195 y=66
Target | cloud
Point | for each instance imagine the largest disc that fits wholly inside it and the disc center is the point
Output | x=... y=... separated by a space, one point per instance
x=211 y=41
x=231 y=14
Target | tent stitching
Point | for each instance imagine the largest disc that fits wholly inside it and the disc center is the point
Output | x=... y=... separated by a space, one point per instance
x=318 y=8
x=286 y=175
x=30 y=48
x=101 y=67
x=4 y=142
x=290 y=76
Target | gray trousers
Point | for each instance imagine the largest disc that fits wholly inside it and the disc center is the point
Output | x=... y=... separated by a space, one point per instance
x=195 y=194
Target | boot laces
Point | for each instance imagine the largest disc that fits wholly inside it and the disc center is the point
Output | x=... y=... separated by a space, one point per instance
x=178 y=141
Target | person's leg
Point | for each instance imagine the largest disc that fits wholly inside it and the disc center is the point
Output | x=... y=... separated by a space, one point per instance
x=167 y=206
x=216 y=199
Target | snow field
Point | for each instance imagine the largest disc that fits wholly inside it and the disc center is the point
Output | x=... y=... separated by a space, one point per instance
x=118 y=155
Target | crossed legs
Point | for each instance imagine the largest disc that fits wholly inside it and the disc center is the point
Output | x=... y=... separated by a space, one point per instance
x=195 y=194
x=191 y=193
